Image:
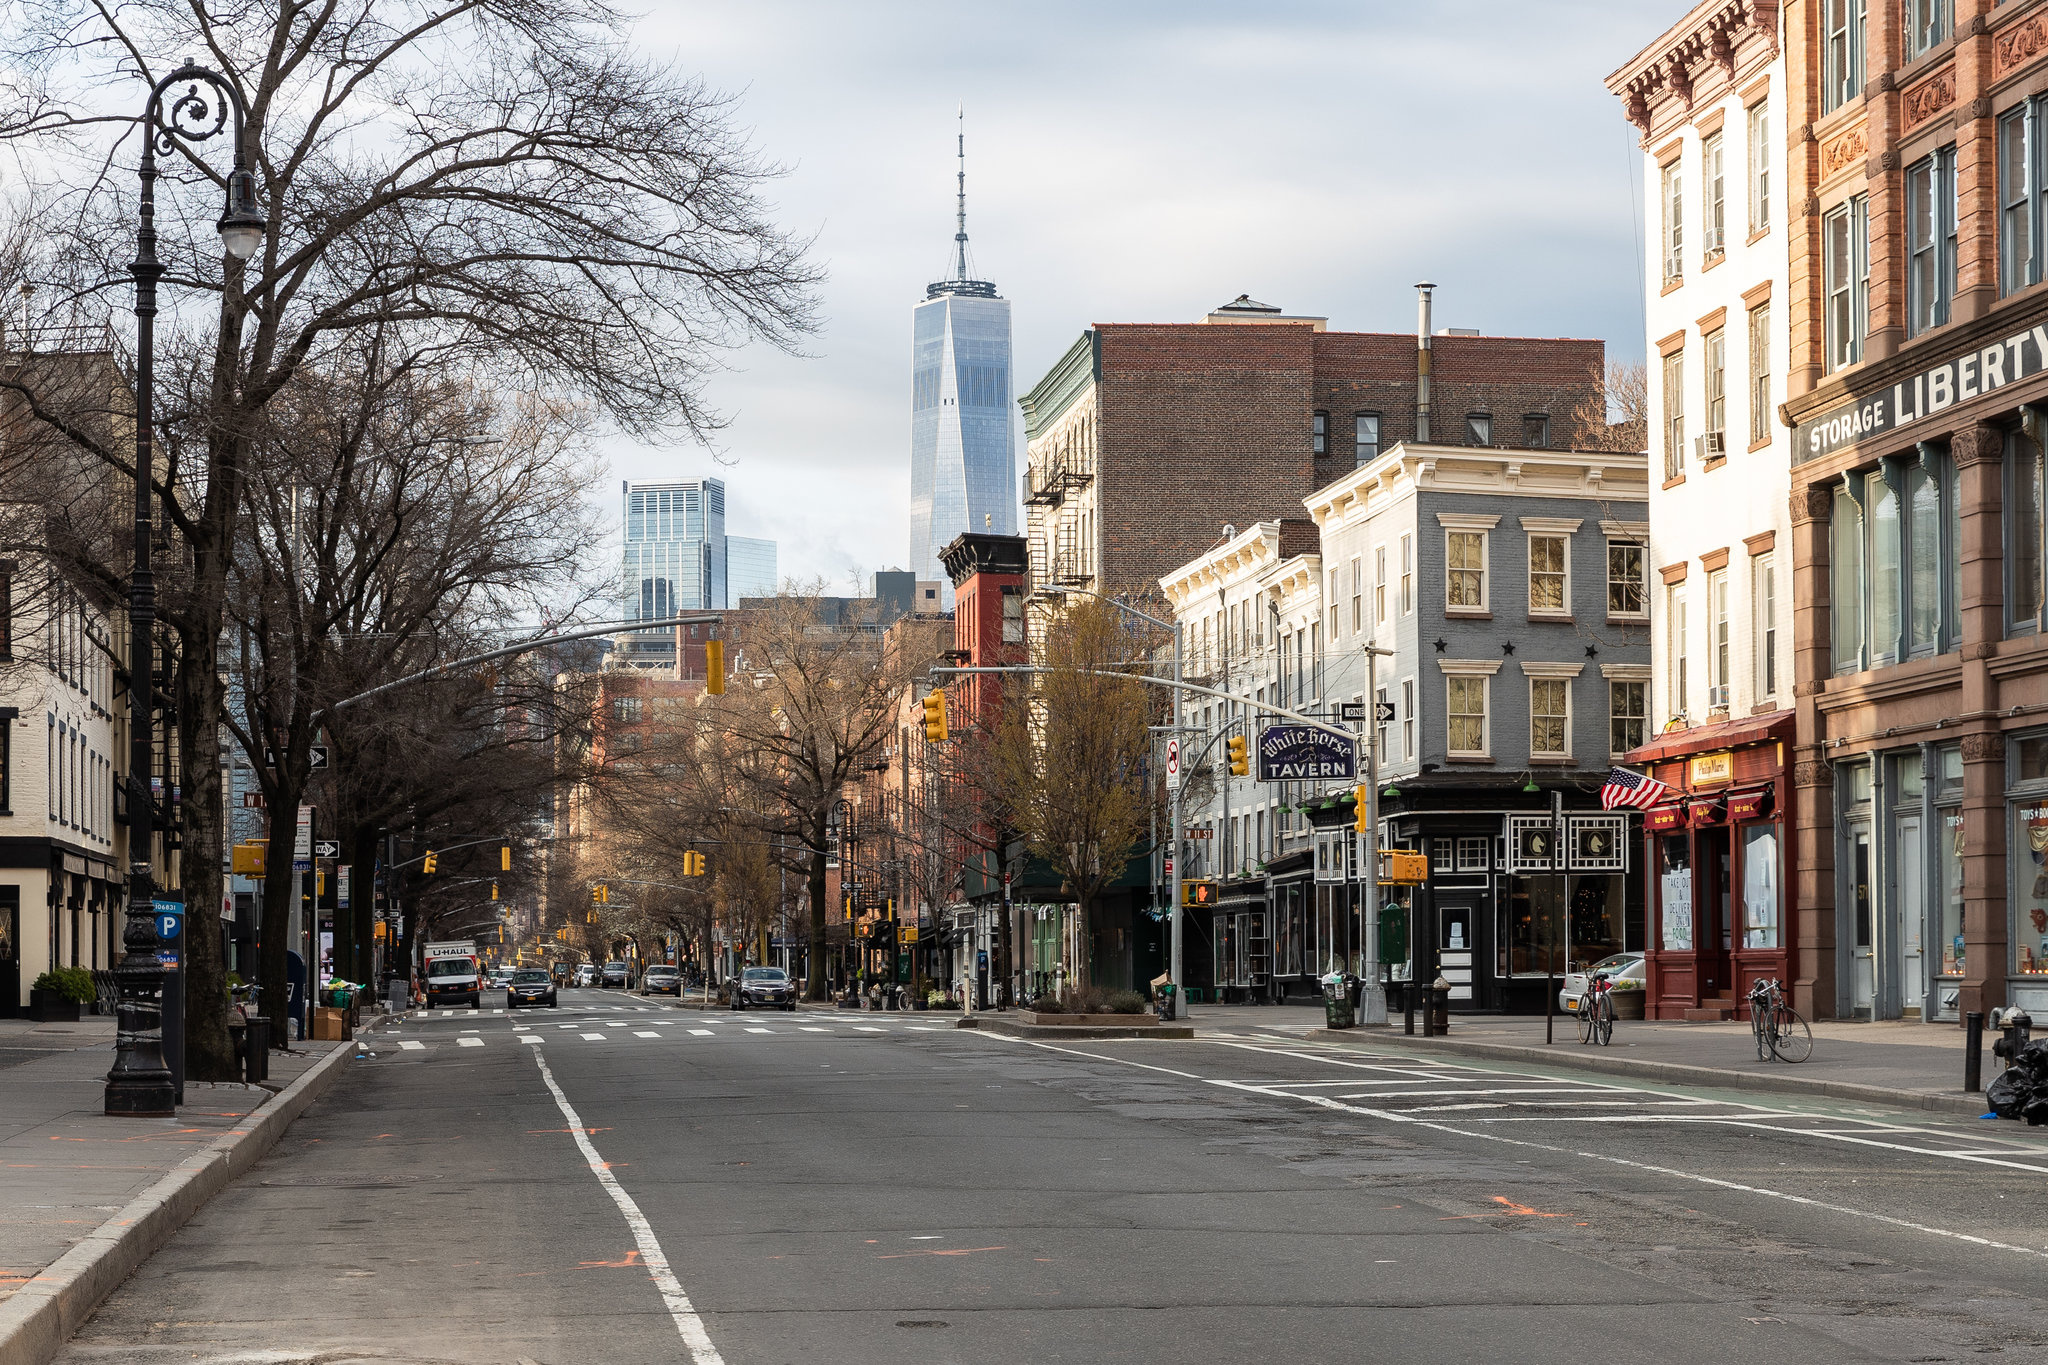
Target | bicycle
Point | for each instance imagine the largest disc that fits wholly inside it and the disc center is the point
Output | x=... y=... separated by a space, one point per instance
x=1596 y=1010
x=1779 y=1029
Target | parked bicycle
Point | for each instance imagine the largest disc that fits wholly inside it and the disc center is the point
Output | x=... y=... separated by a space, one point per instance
x=1596 y=1010
x=1780 y=1031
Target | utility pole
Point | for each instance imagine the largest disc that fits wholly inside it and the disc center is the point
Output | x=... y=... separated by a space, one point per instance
x=1372 y=999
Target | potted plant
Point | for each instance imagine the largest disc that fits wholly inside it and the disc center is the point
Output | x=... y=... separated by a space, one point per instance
x=54 y=997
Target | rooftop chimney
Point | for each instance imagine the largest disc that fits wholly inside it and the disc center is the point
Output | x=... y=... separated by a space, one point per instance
x=1422 y=297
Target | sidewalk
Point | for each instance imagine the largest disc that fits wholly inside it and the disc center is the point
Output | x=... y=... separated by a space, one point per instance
x=69 y=1175
x=1900 y=1065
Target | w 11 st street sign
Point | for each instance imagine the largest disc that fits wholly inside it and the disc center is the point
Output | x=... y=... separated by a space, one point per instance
x=1300 y=753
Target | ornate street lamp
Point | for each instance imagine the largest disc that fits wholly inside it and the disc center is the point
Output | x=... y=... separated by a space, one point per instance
x=140 y=1085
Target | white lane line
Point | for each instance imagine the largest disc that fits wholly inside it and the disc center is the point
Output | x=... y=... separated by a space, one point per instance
x=410 y=1046
x=592 y=1037
x=807 y=1028
x=1395 y=1116
x=759 y=1030
x=466 y=1041
x=703 y=1032
x=643 y=1033
x=688 y=1324
x=867 y=1028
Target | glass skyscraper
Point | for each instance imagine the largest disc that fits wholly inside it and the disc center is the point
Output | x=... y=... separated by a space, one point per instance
x=678 y=558
x=963 y=462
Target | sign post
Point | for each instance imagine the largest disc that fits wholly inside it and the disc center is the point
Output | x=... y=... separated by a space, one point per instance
x=170 y=954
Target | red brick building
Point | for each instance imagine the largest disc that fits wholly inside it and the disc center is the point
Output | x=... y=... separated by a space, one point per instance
x=1146 y=438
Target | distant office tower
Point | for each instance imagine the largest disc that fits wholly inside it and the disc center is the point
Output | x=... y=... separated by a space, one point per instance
x=962 y=450
x=675 y=560
x=749 y=569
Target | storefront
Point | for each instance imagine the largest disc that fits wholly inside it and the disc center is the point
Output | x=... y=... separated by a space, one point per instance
x=1292 y=897
x=1240 y=944
x=1716 y=863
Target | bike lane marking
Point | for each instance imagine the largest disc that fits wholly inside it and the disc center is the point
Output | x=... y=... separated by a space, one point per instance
x=688 y=1323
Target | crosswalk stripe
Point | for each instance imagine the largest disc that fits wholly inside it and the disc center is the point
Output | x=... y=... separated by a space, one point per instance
x=594 y=1037
x=410 y=1046
x=809 y=1029
x=702 y=1032
x=867 y=1028
x=644 y=1034
x=531 y=1038
x=759 y=1030
x=470 y=1042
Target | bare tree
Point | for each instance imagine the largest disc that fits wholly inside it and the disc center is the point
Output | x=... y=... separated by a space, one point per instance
x=1616 y=415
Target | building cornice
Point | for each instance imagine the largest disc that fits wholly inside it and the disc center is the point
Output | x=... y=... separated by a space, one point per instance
x=1244 y=556
x=1704 y=55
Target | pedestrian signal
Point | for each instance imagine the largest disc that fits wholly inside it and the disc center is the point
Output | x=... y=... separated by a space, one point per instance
x=1399 y=867
x=935 y=716
x=1240 y=761
x=1197 y=893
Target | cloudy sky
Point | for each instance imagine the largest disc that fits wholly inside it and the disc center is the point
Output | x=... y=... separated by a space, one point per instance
x=1143 y=161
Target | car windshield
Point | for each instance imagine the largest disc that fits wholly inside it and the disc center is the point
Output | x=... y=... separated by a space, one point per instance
x=451 y=966
x=532 y=974
x=774 y=974
x=661 y=971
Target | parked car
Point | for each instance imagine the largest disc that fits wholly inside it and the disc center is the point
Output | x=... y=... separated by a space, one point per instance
x=766 y=986
x=586 y=974
x=501 y=975
x=1625 y=968
x=662 y=980
x=530 y=986
x=616 y=975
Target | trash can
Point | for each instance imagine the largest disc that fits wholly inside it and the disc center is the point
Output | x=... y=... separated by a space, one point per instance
x=256 y=1050
x=1339 y=1011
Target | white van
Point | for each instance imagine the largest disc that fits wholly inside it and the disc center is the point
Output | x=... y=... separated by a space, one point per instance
x=451 y=974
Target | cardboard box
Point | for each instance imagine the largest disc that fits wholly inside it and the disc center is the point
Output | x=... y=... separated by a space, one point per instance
x=330 y=1025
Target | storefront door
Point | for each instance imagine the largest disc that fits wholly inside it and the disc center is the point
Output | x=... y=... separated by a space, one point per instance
x=1862 y=948
x=1716 y=929
x=1906 y=920
x=10 y=951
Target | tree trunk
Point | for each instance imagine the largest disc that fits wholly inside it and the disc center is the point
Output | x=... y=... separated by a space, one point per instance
x=816 y=987
x=209 y=1055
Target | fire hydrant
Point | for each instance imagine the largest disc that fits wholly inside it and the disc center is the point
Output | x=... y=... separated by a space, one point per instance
x=2016 y=1026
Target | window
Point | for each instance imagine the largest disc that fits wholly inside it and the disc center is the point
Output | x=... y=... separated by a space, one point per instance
x=1759 y=374
x=1759 y=168
x=1336 y=602
x=1379 y=584
x=1536 y=430
x=1674 y=414
x=1549 y=716
x=6 y=614
x=1628 y=714
x=1842 y=59
x=1465 y=714
x=626 y=710
x=1549 y=569
x=1627 y=584
x=1716 y=350
x=1714 y=200
x=2023 y=523
x=1672 y=197
x=1380 y=724
x=1407 y=574
x=1357 y=594
x=1478 y=429
x=1930 y=240
x=2019 y=197
x=1845 y=589
x=1013 y=617
x=1720 y=648
x=1763 y=606
x=1365 y=436
x=1442 y=856
x=1894 y=550
x=1674 y=619
x=1475 y=854
x=1845 y=268
x=1465 y=570
x=1407 y=718
x=1927 y=24
x=1319 y=439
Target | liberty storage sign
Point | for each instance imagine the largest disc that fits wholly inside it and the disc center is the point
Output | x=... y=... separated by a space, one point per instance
x=1300 y=753
x=1956 y=380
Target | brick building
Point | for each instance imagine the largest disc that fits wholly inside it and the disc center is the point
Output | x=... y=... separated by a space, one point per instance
x=1144 y=439
x=1917 y=373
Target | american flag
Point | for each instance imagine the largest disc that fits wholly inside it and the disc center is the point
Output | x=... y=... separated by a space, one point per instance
x=1624 y=788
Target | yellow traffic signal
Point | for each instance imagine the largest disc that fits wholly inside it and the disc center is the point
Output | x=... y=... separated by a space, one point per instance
x=430 y=864
x=714 y=667
x=505 y=858
x=1197 y=892
x=935 y=716
x=250 y=858
x=693 y=864
x=494 y=890
x=1240 y=761
x=1403 y=868
x=1363 y=812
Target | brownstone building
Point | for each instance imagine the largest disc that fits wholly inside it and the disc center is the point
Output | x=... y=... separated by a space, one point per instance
x=1919 y=364
x=1146 y=438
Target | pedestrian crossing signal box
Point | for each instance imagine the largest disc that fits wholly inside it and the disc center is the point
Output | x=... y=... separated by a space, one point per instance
x=1399 y=867
x=1197 y=894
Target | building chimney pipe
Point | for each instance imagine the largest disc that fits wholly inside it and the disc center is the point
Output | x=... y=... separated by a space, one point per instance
x=1422 y=329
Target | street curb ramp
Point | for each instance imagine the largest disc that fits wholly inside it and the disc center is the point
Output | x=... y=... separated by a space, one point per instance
x=41 y=1316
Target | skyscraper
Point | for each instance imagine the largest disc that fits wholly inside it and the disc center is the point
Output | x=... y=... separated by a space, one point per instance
x=678 y=558
x=962 y=448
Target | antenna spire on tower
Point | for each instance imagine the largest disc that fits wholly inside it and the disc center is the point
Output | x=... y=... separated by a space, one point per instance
x=960 y=233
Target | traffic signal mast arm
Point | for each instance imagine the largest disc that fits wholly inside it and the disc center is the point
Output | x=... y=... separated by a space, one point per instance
x=1246 y=702
x=450 y=848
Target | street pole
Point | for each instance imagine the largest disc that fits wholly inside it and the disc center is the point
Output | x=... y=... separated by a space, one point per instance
x=1550 y=921
x=1173 y=842
x=140 y=1085
x=1372 y=998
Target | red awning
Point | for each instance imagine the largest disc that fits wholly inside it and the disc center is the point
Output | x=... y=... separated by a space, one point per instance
x=1726 y=734
x=1710 y=811
x=1752 y=805
x=1664 y=817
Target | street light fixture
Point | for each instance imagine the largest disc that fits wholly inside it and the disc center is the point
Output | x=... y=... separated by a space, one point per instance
x=141 y=1084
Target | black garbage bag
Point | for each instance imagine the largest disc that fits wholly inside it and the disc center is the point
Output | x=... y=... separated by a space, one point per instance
x=2008 y=1093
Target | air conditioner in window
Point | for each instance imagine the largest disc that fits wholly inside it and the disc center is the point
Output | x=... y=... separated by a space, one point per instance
x=1714 y=443
x=1717 y=696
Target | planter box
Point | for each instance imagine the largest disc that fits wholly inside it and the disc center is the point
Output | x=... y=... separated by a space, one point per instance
x=1627 y=1004
x=1091 y=1020
x=48 y=1007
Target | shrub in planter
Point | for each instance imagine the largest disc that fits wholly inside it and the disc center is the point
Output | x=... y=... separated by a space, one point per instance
x=67 y=983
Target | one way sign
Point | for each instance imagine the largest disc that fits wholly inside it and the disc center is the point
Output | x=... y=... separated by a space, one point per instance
x=327 y=848
x=318 y=764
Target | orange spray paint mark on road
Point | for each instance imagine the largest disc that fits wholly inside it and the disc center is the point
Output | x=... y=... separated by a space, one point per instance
x=1510 y=1208
x=632 y=1258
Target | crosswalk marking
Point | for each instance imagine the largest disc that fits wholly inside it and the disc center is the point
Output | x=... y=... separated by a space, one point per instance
x=807 y=1028
x=644 y=1034
x=410 y=1046
x=866 y=1028
x=531 y=1038
x=467 y=1041
x=757 y=1030
x=594 y=1037
x=702 y=1032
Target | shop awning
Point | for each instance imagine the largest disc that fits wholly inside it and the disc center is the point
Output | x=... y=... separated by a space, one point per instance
x=1726 y=734
x=1756 y=804
x=1706 y=810
x=1664 y=817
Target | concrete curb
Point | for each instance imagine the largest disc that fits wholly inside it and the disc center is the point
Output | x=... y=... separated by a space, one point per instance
x=41 y=1316
x=1578 y=1058
x=1018 y=1029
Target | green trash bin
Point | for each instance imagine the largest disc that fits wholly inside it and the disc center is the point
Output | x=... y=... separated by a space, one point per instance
x=1337 y=1012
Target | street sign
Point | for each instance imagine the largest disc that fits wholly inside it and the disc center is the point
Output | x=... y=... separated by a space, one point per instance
x=1383 y=712
x=169 y=922
x=319 y=758
x=252 y=800
x=1202 y=833
x=1350 y=711
x=327 y=848
x=1297 y=753
x=1173 y=763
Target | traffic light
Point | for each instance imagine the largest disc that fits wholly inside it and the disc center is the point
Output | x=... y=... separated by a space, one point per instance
x=935 y=715
x=693 y=864
x=714 y=667
x=1362 y=814
x=494 y=890
x=1240 y=761
x=600 y=894
x=1403 y=868
x=1196 y=892
x=505 y=858
x=430 y=864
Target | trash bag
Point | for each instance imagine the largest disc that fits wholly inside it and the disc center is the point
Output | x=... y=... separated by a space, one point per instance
x=2008 y=1093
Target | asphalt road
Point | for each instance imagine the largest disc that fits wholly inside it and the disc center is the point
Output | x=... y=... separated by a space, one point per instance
x=622 y=1182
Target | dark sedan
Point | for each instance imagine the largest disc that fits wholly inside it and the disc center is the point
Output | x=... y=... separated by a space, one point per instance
x=765 y=986
x=615 y=976
x=662 y=981
x=530 y=986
